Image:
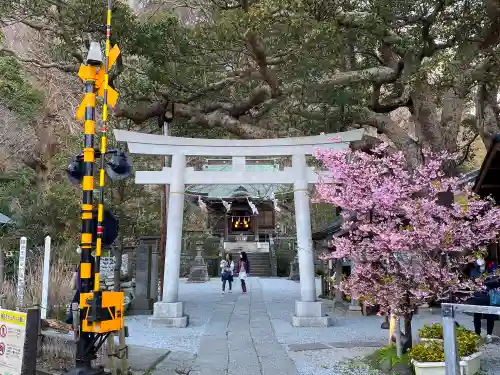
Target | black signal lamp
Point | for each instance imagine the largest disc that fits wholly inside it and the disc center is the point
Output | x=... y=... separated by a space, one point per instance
x=75 y=170
x=119 y=167
x=109 y=225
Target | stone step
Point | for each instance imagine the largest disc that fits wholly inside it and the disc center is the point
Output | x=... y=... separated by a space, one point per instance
x=260 y=264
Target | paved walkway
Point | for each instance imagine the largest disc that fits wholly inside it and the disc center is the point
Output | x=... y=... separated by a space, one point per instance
x=251 y=334
x=240 y=339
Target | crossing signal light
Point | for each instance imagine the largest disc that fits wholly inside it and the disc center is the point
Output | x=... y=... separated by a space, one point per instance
x=118 y=167
x=75 y=170
x=85 y=73
x=109 y=227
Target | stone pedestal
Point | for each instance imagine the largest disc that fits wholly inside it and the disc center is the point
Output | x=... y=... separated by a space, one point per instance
x=354 y=308
x=311 y=314
x=170 y=314
x=199 y=271
x=142 y=304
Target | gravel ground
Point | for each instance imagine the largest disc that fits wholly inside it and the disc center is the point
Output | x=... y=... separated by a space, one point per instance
x=199 y=302
x=279 y=296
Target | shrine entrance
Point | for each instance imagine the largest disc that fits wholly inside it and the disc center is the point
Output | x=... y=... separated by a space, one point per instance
x=308 y=311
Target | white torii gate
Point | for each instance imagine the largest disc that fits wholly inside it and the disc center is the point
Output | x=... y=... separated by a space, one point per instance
x=308 y=311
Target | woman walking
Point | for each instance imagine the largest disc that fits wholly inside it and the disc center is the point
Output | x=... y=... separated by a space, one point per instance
x=243 y=270
x=227 y=269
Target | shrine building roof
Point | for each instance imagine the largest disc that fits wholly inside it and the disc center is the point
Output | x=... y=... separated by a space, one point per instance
x=232 y=191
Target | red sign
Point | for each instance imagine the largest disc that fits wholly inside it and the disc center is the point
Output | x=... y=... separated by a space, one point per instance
x=2 y=348
x=3 y=330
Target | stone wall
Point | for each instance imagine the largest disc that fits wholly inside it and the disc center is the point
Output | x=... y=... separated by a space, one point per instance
x=127 y=284
x=108 y=265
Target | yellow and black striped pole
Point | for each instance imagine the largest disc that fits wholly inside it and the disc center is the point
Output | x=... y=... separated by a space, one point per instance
x=104 y=130
x=88 y=73
x=88 y=181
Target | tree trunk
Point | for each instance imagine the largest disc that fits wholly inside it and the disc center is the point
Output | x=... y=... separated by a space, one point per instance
x=487 y=112
x=407 y=323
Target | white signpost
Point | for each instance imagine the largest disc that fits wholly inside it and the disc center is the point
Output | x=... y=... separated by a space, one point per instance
x=21 y=273
x=45 y=283
x=12 y=338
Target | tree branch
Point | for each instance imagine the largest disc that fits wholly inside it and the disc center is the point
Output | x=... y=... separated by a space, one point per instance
x=375 y=75
x=491 y=33
x=467 y=150
x=398 y=136
x=390 y=104
x=260 y=58
x=220 y=119
x=70 y=68
x=428 y=22
x=232 y=78
x=58 y=31
x=141 y=112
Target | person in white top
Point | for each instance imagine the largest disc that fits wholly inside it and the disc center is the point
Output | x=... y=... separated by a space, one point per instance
x=227 y=270
x=243 y=271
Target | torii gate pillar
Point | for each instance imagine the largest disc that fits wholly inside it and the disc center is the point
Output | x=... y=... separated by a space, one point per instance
x=308 y=311
x=170 y=310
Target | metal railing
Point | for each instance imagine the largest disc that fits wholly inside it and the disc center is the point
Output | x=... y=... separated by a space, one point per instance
x=448 y=311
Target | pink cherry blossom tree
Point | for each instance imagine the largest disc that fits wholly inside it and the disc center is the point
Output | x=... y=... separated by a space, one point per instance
x=406 y=244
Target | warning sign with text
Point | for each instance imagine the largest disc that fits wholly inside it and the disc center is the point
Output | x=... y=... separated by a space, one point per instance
x=12 y=336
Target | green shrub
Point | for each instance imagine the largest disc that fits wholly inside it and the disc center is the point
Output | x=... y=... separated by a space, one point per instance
x=433 y=351
x=467 y=341
x=427 y=351
x=431 y=331
x=387 y=354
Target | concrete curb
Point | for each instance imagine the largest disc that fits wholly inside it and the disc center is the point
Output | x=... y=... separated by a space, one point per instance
x=159 y=360
x=43 y=372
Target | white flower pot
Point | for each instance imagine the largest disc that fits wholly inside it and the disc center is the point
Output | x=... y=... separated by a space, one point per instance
x=468 y=366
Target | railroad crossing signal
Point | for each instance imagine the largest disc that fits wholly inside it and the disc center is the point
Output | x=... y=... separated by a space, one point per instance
x=90 y=73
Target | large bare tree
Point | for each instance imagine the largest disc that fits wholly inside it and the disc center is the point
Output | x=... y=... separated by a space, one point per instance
x=257 y=69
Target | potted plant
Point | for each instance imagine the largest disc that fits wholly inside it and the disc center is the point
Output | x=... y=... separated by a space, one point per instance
x=428 y=356
x=431 y=332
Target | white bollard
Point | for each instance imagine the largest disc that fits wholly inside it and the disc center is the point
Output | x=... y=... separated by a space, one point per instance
x=45 y=283
x=21 y=281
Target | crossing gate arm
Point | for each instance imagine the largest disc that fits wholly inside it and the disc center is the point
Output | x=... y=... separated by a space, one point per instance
x=448 y=311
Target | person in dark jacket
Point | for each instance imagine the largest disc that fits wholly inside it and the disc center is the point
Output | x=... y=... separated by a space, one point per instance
x=482 y=298
x=243 y=270
x=77 y=286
